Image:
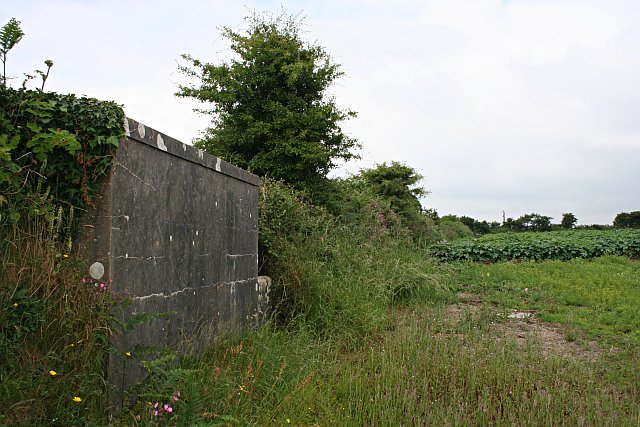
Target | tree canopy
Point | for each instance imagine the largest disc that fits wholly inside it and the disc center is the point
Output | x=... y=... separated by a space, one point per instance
x=271 y=113
x=569 y=220
x=397 y=183
x=627 y=220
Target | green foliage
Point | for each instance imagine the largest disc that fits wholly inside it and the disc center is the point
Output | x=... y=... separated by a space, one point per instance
x=50 y=320
x=20 y=315
x=312 y=255
x=478 y=228
x=271 y=113
x=397 y=184
x=529 y=222
x=569 y=220
x=10 y=35
x=559 y=245
x=627 y=220
x=60 y=145
x=453 y=229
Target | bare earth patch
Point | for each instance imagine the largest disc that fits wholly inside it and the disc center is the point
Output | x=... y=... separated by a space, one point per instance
x=524 y=326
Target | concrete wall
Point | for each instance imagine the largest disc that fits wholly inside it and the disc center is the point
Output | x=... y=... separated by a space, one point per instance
x=177 y=231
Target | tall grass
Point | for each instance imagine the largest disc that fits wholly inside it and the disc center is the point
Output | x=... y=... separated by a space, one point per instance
x=54 y=330
x=434 y=370
x=338 y=278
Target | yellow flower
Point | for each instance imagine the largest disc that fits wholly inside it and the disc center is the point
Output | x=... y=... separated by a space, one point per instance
x=15 y=305
x=66 y=255
x=128 y=353
x=288 y=421
x=53 y=373
x=241 y=388
x=77 y=399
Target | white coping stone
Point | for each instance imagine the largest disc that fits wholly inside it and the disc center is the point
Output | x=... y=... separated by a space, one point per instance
x=161 y=143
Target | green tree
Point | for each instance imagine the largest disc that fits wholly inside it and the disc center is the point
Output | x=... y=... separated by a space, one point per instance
x=569 y=220
x=271 y=113
x=529 y=222
x=397 y=183
x=627 y=220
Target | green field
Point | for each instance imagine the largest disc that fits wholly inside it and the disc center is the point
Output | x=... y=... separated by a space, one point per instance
x=378 y=333
x=458 y=356
x=558 y=245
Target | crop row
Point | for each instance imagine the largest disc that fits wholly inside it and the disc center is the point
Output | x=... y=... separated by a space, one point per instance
x=558 y=245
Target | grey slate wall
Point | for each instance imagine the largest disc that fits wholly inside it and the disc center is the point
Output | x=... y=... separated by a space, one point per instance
x=177 y=231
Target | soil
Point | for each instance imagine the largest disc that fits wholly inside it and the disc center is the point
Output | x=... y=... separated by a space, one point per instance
x=523 y=326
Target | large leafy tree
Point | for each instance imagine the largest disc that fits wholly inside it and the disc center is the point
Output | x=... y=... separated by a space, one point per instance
x=569 y=220
x=269 y=102
x=398 y=184
x=627 y=220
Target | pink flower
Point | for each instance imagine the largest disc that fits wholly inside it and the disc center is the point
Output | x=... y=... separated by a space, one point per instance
x=155 y=413
x=84 y=280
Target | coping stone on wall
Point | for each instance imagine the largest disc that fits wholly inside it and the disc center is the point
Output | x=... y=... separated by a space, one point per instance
x=141 y=133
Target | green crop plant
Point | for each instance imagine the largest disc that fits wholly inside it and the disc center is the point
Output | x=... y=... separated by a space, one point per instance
x=557 y=245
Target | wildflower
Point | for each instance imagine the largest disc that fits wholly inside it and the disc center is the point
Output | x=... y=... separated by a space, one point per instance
x=84 y=280
x=168 y=408
x=53 y=373
x=77 y=399
x=241 y=388
x=175 y=396
x=128 y=353
x=288 y=421
x=15 y=305
x=155 y=413
x=65 y=255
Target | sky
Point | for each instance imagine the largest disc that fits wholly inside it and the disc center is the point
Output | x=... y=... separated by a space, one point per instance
x=516 y=105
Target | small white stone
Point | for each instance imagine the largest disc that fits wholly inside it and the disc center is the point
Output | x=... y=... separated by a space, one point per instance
x=96 y=270
x=141 y=130
x=127 y=131
x=160 y=142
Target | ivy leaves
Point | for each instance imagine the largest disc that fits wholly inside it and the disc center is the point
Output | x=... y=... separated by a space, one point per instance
x=59 y=144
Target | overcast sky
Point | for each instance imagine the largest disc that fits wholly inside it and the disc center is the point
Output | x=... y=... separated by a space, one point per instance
x=522 y=105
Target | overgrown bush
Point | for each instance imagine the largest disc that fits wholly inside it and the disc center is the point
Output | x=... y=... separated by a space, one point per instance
x=339 y=278
x=53 y=144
